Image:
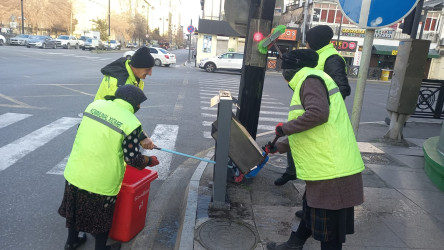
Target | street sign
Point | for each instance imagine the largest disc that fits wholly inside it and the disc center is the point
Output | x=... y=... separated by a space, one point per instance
x=190 y=28
x=372 y=14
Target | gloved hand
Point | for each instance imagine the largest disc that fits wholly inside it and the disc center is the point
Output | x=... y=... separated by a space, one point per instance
x=270 y=149
x=278 y=130
x=152 y=161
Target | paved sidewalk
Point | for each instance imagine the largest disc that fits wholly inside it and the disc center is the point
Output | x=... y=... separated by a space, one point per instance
x=402 y=209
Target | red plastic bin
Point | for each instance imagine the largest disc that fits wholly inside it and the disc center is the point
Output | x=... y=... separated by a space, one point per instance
x=132 y=202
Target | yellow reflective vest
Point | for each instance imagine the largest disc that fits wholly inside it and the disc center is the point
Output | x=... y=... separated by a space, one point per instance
x=329 y=150
x=108 y=86
x=324 y=53
x=96 y=160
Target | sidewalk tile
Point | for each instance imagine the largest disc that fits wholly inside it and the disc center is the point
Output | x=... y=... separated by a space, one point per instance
x=431 y=202
x=401 y=178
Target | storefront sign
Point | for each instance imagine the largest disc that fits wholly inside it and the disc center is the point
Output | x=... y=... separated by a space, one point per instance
x=357 y=59
x=289 y=34
x=345 y=45
x=386 y=33
x=347 y=53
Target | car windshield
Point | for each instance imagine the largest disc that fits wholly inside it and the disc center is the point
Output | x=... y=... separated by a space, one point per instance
x=164 y=51
x=42 y=37
x=84 y=38
x=112 y=41
x=64 y=37
x=23 y=36
x=33 y=37
x=89 y=40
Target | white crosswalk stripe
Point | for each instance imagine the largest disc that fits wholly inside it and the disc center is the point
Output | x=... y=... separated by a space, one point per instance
x=272 y=110
x=11 y=118
x=164 y=136
x=16 y=150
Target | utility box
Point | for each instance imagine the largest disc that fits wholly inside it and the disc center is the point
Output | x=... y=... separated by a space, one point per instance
x=407 y=76
x=243 y=150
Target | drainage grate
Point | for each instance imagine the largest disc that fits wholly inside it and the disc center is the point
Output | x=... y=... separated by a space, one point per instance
x=225 y=234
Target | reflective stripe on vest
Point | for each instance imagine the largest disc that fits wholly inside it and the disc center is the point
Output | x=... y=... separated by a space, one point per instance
x=96 y=160
x=330 y=92
x=329 y=150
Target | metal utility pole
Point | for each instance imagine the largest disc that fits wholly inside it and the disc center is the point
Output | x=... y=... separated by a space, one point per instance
x=189 y=43
x=253 y=72
x=304 y=25
x=362 y=79
x=109 y=18
x=23 y=18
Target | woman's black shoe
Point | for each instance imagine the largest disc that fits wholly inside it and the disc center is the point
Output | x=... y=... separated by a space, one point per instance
x=284 y=179
x=81 y=239
x=299 y=214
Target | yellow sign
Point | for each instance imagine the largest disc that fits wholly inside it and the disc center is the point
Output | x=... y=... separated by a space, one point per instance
x=358 y=31
x=394 y=52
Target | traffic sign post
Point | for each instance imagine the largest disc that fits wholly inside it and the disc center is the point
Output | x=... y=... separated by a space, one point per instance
x=190 y=29
x=370 y=15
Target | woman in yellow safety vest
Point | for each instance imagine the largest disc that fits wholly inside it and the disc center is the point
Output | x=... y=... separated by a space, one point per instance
x=324 y=151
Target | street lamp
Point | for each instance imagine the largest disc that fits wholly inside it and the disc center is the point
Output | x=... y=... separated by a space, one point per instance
x=147 y=9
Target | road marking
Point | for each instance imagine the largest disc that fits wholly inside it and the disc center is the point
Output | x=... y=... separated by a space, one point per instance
x=266 y=127
x=17 y=149
x=60 y=167
x=19 y=103
x=10 y=118
x=207 y=134
x=273 y=107
x=274 y=113
x=164 y=136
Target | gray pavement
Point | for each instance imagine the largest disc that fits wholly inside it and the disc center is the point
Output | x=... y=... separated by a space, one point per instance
x=402 y=207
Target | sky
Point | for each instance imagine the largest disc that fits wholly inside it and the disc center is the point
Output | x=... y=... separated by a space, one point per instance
x=191 y=10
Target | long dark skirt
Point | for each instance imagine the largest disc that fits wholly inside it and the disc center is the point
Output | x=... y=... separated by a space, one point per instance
x=327 y=225
x=85 y=211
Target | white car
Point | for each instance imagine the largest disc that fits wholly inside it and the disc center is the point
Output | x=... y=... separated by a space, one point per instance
x=67 y=42
x=19 y=40
x=2 y=40
x=226 y=61
x=161 y=56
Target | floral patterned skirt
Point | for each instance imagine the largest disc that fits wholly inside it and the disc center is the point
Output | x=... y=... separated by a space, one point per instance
x=85 y=211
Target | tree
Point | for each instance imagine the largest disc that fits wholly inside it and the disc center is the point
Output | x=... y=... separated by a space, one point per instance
x=139 y=24
x=102 y=26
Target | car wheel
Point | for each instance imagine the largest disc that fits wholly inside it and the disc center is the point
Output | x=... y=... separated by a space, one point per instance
x=128 y=57
x=1 y=42
x=68 y=46
x=157 y=62
x=83 y=48
x=77 y=46
x=44 y=46
x=28 y=46
x=166 y=65
x=210 y=67
x=55 y=46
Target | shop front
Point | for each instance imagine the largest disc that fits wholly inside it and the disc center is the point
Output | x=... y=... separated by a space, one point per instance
x=286 y=42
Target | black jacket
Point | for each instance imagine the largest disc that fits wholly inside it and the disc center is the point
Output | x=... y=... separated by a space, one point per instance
x=335 y=67
x=117 y=69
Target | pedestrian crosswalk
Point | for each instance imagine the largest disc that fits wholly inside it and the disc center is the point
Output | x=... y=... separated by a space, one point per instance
x=272 y=110
x=164 y=136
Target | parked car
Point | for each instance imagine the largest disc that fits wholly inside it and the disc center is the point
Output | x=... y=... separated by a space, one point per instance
x=67 y=42
x=92 y=43
x=113 y=44
x=226 y=61
x=82 y=41
x=2 y=40
x=161 y=56
x=19 y=40
x=42 y=42
x=131 y=45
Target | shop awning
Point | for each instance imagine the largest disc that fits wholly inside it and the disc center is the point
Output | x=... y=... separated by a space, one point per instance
x=393 y=50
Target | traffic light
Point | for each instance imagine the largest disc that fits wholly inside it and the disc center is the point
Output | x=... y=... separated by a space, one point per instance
x=258 y=36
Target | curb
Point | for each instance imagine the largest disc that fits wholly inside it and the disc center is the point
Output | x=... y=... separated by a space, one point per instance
x=185 y=239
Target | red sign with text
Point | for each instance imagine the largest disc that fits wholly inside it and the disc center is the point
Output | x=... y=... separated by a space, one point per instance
x=345 y=45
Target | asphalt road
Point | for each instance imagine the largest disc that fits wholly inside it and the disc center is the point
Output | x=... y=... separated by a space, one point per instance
x=43 y=91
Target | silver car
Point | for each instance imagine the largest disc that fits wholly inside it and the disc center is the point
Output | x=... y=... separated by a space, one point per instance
x=19 y=40
x=42 y=42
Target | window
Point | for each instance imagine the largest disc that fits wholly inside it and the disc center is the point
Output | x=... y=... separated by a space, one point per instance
x=207 y=44
x=153 y=51
x=323 y=15
x=338 y=16
x=238 y=56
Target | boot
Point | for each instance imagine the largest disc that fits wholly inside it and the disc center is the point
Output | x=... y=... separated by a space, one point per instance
x=81 y=239
x=294 y=243
x=284 y=179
